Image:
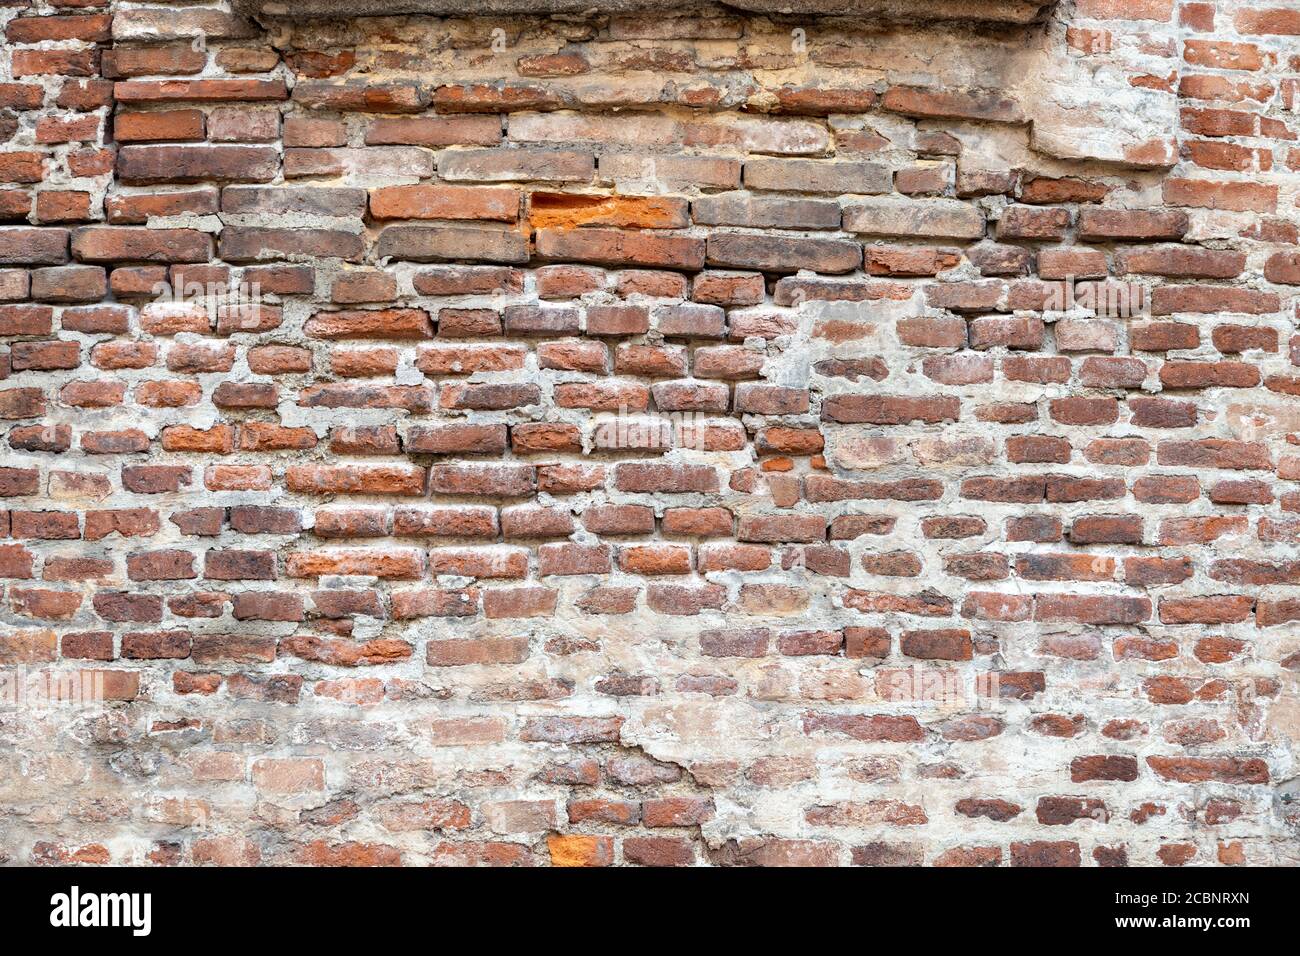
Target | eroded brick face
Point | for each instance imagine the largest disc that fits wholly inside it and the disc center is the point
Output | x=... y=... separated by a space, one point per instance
x=649 y=440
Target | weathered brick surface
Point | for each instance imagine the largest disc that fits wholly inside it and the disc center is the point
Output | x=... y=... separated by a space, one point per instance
x=656 y=441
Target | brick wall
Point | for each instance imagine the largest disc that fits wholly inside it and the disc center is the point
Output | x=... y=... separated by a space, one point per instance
x=649 y=439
